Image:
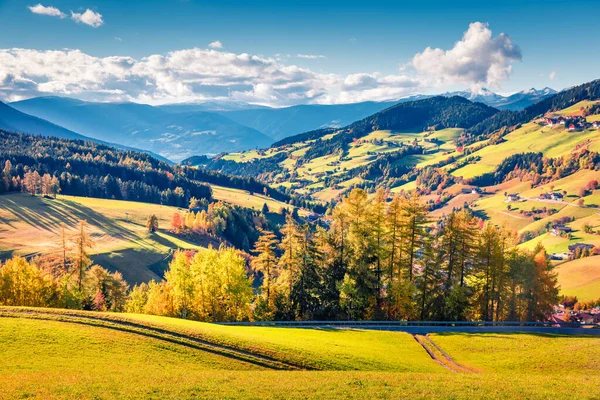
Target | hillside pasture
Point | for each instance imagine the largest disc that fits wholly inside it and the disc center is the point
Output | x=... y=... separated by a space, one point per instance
x=32 y=225
x=580 y=278
x=87 y=355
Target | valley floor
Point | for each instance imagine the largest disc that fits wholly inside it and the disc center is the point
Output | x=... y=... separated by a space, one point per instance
x=73 y=354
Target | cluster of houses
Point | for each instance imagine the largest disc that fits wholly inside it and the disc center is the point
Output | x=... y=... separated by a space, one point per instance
x=581 y=246
x=583 y=317
x=571 y=123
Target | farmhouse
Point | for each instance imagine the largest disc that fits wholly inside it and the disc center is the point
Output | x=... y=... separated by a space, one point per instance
x=557 y=230
x=472 y=190
x=513 y=197
x=551 y=196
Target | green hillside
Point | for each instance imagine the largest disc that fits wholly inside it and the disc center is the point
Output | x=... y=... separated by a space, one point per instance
x=118 y=228
x=104 y=355
x=441 y=161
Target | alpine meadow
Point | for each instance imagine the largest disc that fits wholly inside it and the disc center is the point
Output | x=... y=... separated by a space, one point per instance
x=299 y=200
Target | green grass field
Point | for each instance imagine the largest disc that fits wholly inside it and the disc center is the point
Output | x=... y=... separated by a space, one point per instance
x=580 y=278
x=31 y=225
x=67 y=354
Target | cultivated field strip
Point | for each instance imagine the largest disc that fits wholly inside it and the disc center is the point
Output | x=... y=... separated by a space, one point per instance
x=439 y=355
x=170 y=336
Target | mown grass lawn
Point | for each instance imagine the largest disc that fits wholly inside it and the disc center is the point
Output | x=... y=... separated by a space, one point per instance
x=525 y=354
x=50 y=359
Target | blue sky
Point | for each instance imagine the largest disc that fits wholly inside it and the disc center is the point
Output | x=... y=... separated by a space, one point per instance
x=367 y=49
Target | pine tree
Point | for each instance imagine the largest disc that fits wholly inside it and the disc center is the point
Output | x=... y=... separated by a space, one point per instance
x=362 y=244
x=306 y=288
x=82 y=261
x=266 y=263
x=413 y=230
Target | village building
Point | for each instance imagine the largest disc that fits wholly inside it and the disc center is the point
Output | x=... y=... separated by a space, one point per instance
x=513 y=197
x=471 y=190
x=558 y=230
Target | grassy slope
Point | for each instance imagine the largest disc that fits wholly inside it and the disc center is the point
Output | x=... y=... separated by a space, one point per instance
x=580 y=278
x=245 y=199
x=85 y=362
x=118 y=228
x=521 y=354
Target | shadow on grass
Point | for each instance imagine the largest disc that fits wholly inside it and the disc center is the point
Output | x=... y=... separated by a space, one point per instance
x=49 y=214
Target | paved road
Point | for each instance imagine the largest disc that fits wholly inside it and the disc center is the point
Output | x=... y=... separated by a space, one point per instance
x=423 y=330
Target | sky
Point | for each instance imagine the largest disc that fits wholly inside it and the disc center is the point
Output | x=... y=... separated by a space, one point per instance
x=282 y=53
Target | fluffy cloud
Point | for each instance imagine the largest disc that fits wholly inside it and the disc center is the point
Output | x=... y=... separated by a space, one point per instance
x=552 y=75
x=46 y=10
x=200 y=74
x=310 y=56
x=88 y=17
x=216 y=45
x=477 y=60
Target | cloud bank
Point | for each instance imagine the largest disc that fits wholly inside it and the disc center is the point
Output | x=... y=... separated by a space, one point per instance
x=201 y=74
x=478 y=59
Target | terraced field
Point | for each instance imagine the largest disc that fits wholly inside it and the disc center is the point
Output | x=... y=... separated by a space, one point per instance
x=104 y=355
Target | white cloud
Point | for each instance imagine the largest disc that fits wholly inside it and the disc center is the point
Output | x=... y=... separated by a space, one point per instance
x=310 y=56
x=202 y=74
x=88 y=17
x=216 y=45
x=46 y=10
x=552 y=75
x=476 y=60
x=118 y=38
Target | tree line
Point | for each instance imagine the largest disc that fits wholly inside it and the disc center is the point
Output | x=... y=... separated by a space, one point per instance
x=83 y=168
x=377 y=260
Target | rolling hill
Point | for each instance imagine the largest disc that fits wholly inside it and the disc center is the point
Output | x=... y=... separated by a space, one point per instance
x=419 y=146
x=174 y=135
x=280 y=123
x=130 y=355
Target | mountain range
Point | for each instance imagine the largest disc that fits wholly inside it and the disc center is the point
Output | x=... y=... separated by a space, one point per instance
x=174 y=135
x=178 y=131
x=513 y=102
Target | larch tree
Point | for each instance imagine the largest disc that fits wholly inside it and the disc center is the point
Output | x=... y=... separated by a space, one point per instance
x=265 y=262
x=152 y=223
x=81 y=260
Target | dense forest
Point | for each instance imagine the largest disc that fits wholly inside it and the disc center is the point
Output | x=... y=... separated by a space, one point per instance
x=84 y=168
x=435 y=112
